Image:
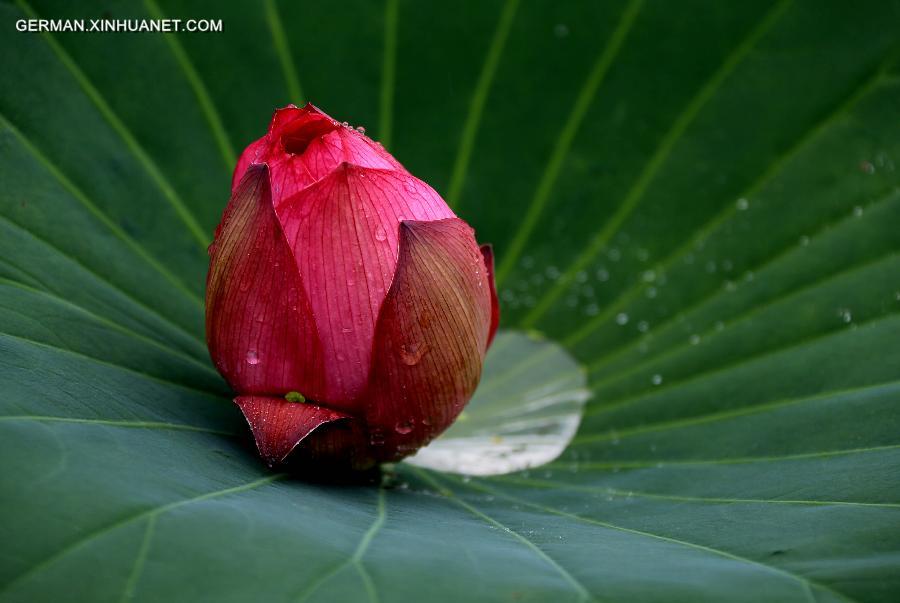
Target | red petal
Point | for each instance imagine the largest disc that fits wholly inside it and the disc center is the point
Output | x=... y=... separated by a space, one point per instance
x=278 y=425
x=259 y=326
x=304 y=145
x=343 y=231
x=488 y=252
x=431 y=336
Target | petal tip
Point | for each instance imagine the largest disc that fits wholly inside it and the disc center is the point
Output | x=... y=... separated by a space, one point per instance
x=278 y=426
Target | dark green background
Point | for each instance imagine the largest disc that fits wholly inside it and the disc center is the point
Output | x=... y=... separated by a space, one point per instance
x=699 y=199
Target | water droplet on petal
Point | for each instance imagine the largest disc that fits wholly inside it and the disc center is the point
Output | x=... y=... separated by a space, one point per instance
x=411 y=353
x=252 y=358
x=380 y=234
x=403 y=427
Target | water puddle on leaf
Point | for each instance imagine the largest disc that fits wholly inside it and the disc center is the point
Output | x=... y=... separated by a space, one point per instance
x=525 y=412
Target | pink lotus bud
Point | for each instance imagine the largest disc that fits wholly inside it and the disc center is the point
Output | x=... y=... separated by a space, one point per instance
x=346 y=304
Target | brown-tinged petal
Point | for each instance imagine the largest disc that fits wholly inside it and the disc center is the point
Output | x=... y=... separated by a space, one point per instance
x=259 y=324
x=278 y=425
x=431 y=336
x=488 y=252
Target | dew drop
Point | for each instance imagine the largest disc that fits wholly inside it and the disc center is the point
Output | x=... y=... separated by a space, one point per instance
x=376 y=437
x=742 y=204
x=252 y=358
x=857 y=211
x=621 y=318
x=643 y=326
x=656 y=379
x=380 y=234
x=560 y=30
x=695 y=339
x=403 y=427
x=411 y=353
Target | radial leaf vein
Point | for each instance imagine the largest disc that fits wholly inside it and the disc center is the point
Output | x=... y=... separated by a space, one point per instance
x=748 y=460
x=729 y=210
x=139 y=561
x=117 y=423
x=100 y=361
x=728 y=414
x=95 y=211
x=618 y=404
x=203 y=366
x=200 y=91
x=150 y=513
x=178 y=205
x=578 y=587
x=582 y=103
x=747 y=316
x=476 y=105
x=804 y=582
x=355 y=560
x=636 y=193
x=605 y=359
x=282 y=49
x=550 y=484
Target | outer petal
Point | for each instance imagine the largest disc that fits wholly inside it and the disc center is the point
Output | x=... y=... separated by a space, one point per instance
x=259 y=326
x=278 y=425
x=343 y=231
x=250 y=156
x=488 y=252
x=431 y=337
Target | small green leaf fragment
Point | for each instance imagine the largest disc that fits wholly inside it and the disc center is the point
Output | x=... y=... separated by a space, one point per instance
x=295 y=397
